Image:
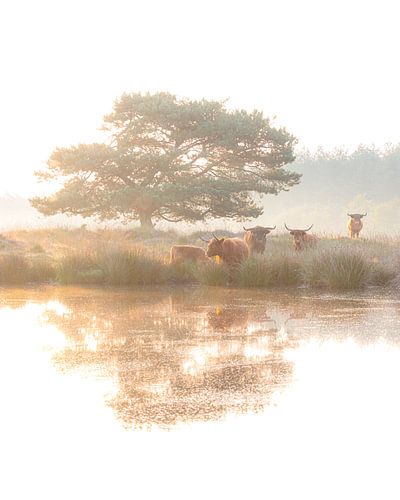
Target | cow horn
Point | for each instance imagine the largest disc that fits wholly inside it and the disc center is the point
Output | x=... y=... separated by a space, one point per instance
x=247 y=229
x=288 y=228
x=270 y=228
x=215 y=237
x=308 y=228
x=365 y=214
x=203 y=239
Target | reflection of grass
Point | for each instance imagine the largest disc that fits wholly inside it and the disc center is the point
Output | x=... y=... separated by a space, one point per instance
x=115 y=257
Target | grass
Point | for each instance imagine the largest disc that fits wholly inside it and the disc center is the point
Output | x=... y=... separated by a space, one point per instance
x=19 y=270
x=340 y=270
x=277 y=270
x=212 y=274
x=136 y=258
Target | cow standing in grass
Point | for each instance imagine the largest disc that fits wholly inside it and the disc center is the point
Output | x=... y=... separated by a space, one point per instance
x=256 y=238
x=355 y=224
x=301 y=239
x=183 y=253
x=231 y=250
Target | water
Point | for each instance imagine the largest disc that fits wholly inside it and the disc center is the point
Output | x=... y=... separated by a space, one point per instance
x=199 y=393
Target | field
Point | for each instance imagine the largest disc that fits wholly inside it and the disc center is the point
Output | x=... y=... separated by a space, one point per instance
x=133 y=258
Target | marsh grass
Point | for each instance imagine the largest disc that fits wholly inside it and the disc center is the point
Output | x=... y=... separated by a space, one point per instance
x=339 y=270
x=42 y=271
x=182 y=273
x=18 y=270
x=131 y=268
x=79 y=268
x=134 y=258
x=14 y=269
x=213 y=274
x=253 y=272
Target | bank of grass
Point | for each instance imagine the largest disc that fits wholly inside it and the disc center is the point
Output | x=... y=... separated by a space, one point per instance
x=134 y=258
x=114 y=267
x=19 y=270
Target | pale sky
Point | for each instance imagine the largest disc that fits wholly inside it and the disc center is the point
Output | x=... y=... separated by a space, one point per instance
x=328 y=70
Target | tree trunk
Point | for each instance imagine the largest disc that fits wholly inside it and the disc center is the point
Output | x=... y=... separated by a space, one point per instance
x=145 y=221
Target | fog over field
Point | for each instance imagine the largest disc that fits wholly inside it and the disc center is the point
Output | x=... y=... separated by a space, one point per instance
x=284 y=59
x=332 y=184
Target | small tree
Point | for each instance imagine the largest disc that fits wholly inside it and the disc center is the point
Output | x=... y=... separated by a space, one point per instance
x=171 y=159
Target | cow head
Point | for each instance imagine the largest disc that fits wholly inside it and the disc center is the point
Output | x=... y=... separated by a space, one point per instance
x=299 y=236
x=259 y=233
x=214 y=246
x=357 y=216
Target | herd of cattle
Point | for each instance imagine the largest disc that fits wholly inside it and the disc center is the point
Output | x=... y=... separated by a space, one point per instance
x=235 y=250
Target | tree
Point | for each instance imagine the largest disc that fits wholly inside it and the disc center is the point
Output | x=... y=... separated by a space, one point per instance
x=171 y=159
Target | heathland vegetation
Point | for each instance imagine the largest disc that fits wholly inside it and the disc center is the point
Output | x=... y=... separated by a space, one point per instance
x=137 y=257
x=172 y=160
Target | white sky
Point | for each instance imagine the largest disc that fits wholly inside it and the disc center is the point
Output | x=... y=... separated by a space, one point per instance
x=327 y=69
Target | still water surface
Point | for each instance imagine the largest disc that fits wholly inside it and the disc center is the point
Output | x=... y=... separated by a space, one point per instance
x=199 y=393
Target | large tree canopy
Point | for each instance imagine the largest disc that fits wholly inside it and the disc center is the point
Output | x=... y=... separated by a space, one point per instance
x=171 y=159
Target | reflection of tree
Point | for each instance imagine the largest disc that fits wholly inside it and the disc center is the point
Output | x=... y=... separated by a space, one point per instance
x=185 y=356
x=199 y=353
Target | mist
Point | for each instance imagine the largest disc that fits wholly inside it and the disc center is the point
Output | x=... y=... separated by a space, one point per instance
x=333 y=183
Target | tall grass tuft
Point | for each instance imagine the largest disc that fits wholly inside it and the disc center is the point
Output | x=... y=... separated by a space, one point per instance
x=212 y=274
x=14 y=269
x=80 y=268
x=381 y=275
x=183 y=272
x=253 y=273
x=42 y=271
x=121 y=267
x=18 y=270
x=340 y=270
x=285 y=270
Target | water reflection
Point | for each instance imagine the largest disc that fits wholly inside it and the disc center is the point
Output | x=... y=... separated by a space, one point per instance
x=184 y=357
x=191 y=354
x=324 y=370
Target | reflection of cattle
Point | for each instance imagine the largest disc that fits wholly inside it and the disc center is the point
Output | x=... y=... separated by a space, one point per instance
x=355 y=224
x=231 y=250
x=228 y=318
x=182 y=253
x=301 y=239
x=255 y=238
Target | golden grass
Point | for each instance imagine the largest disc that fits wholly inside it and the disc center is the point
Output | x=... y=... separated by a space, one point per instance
x=133 y=258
